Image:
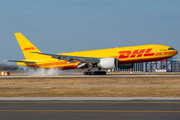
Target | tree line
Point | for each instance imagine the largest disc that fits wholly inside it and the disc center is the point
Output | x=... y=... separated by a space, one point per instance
x=4 y=67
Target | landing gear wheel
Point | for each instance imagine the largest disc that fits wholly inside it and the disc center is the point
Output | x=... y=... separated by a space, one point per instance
x=95 y=73
x=85 y=73
x=101 y=73
x=88 y=73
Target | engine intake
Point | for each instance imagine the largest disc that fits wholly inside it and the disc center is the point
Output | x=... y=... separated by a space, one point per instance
x=108 y=63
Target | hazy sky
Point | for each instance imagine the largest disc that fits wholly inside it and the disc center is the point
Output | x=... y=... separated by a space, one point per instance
x=56 y=26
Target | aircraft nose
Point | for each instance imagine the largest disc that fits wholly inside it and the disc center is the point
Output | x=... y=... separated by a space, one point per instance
x=176 y=52
x=171 y=53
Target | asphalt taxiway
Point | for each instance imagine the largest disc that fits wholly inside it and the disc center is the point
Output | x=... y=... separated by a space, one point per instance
x=90 y=110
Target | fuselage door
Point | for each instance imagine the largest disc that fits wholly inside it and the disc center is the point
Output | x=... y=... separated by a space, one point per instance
x=157 y=51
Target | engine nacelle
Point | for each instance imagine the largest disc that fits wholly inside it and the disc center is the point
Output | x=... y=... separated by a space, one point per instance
x=125 y=66
x=108 y=63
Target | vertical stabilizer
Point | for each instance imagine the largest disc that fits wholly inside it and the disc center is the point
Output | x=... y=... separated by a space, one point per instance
x=26 y=46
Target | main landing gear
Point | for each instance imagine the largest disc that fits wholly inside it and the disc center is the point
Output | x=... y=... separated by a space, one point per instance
x=95 y=73
x=99 y=72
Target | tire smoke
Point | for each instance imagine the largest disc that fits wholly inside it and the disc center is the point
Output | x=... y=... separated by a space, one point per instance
x=49 y=72
x=44 y=72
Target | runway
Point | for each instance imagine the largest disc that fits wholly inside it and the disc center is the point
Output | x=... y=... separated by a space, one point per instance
x=90 y=110
x=93 y=76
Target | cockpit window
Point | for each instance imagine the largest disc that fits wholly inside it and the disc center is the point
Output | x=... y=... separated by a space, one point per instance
x=171 y=49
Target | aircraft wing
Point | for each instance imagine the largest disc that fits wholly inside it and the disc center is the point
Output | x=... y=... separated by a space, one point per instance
x=72 y=58
x=19 y=61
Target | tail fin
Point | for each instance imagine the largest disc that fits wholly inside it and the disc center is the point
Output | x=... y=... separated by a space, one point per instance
x=26 y=46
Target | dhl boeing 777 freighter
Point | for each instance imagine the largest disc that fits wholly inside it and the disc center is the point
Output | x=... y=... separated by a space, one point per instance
x=122 y=57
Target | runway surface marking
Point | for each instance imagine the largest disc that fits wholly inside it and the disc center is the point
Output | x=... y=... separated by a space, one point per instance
x=147 y=111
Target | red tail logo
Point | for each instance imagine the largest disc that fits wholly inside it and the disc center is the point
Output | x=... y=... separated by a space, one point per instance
x=30 y=48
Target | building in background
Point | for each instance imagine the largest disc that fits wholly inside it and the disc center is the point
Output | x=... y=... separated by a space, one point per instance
x=169 y=65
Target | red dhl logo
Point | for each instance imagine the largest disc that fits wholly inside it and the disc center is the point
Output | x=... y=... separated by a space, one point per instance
x=136 y=53
x=29 y=48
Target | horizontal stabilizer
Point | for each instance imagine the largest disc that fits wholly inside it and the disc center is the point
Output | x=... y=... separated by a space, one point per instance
x=19 y=61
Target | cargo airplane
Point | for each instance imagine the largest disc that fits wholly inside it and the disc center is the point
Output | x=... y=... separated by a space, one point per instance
x=121 y=57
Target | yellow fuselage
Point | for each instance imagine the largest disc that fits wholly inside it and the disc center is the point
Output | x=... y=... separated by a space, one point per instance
x=132 y=54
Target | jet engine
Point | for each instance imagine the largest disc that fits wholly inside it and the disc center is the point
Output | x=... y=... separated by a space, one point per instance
x=108 y=63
